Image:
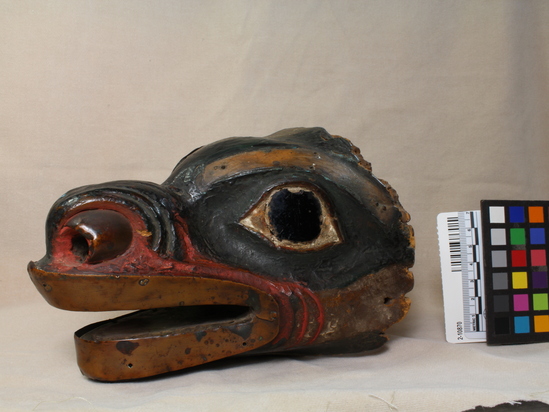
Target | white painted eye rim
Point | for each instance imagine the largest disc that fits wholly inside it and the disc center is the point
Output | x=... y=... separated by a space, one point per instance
x=257 y=221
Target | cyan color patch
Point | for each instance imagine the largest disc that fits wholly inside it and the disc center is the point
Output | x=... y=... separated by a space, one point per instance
x=522 y=324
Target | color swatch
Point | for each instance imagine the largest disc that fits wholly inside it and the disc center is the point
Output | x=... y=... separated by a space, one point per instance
x=516 y=279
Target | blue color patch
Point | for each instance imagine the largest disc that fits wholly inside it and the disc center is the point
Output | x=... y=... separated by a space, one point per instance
x=522 y=324
x=537 y=236
x=516 y=214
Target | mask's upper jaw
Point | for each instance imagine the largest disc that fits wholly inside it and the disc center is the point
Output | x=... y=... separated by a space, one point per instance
x=183 y=319
x=106 y=251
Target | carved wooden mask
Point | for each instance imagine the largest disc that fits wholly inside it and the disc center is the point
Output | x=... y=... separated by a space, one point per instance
x=252 y=245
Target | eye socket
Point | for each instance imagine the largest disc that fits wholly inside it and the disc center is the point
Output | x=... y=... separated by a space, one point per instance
x=294 y=216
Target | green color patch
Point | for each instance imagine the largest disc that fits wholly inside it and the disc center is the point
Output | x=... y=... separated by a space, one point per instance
x=517 y=236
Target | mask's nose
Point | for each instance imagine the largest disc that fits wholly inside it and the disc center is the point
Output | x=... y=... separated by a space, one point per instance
x=98 y=223
x=99 y=235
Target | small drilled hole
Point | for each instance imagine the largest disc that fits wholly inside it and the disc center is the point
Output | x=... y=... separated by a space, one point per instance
x=244 y=344
x=130 y=365
x=387 y=301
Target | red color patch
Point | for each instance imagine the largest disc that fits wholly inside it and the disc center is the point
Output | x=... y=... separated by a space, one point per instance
x=518 y=258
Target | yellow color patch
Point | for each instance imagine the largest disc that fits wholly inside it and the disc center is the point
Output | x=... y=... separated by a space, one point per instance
x=520 y=280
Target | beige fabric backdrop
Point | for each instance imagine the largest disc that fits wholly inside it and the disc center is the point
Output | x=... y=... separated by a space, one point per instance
x=448 y=100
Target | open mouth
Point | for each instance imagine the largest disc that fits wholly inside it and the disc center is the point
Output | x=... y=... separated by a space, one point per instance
x=180 y=322
x=154 y=323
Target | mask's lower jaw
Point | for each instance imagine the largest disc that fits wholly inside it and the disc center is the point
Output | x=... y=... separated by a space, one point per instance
x=186 y=320
x=156 y=341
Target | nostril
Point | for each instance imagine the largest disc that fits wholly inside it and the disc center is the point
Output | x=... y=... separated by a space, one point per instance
x=99 y=235
x=80 y=247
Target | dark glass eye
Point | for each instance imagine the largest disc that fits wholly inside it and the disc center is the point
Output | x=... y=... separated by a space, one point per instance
x=294 y=216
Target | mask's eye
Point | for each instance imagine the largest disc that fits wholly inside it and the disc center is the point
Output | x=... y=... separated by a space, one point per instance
x=293 y=216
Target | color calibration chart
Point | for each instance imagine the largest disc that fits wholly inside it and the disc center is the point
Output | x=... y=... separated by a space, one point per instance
x=494 y=272
x=516 y=282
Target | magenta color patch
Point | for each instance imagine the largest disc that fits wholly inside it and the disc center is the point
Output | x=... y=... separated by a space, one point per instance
x=520 y=303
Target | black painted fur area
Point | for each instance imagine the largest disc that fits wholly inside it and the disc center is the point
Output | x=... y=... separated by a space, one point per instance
x=368 y=244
